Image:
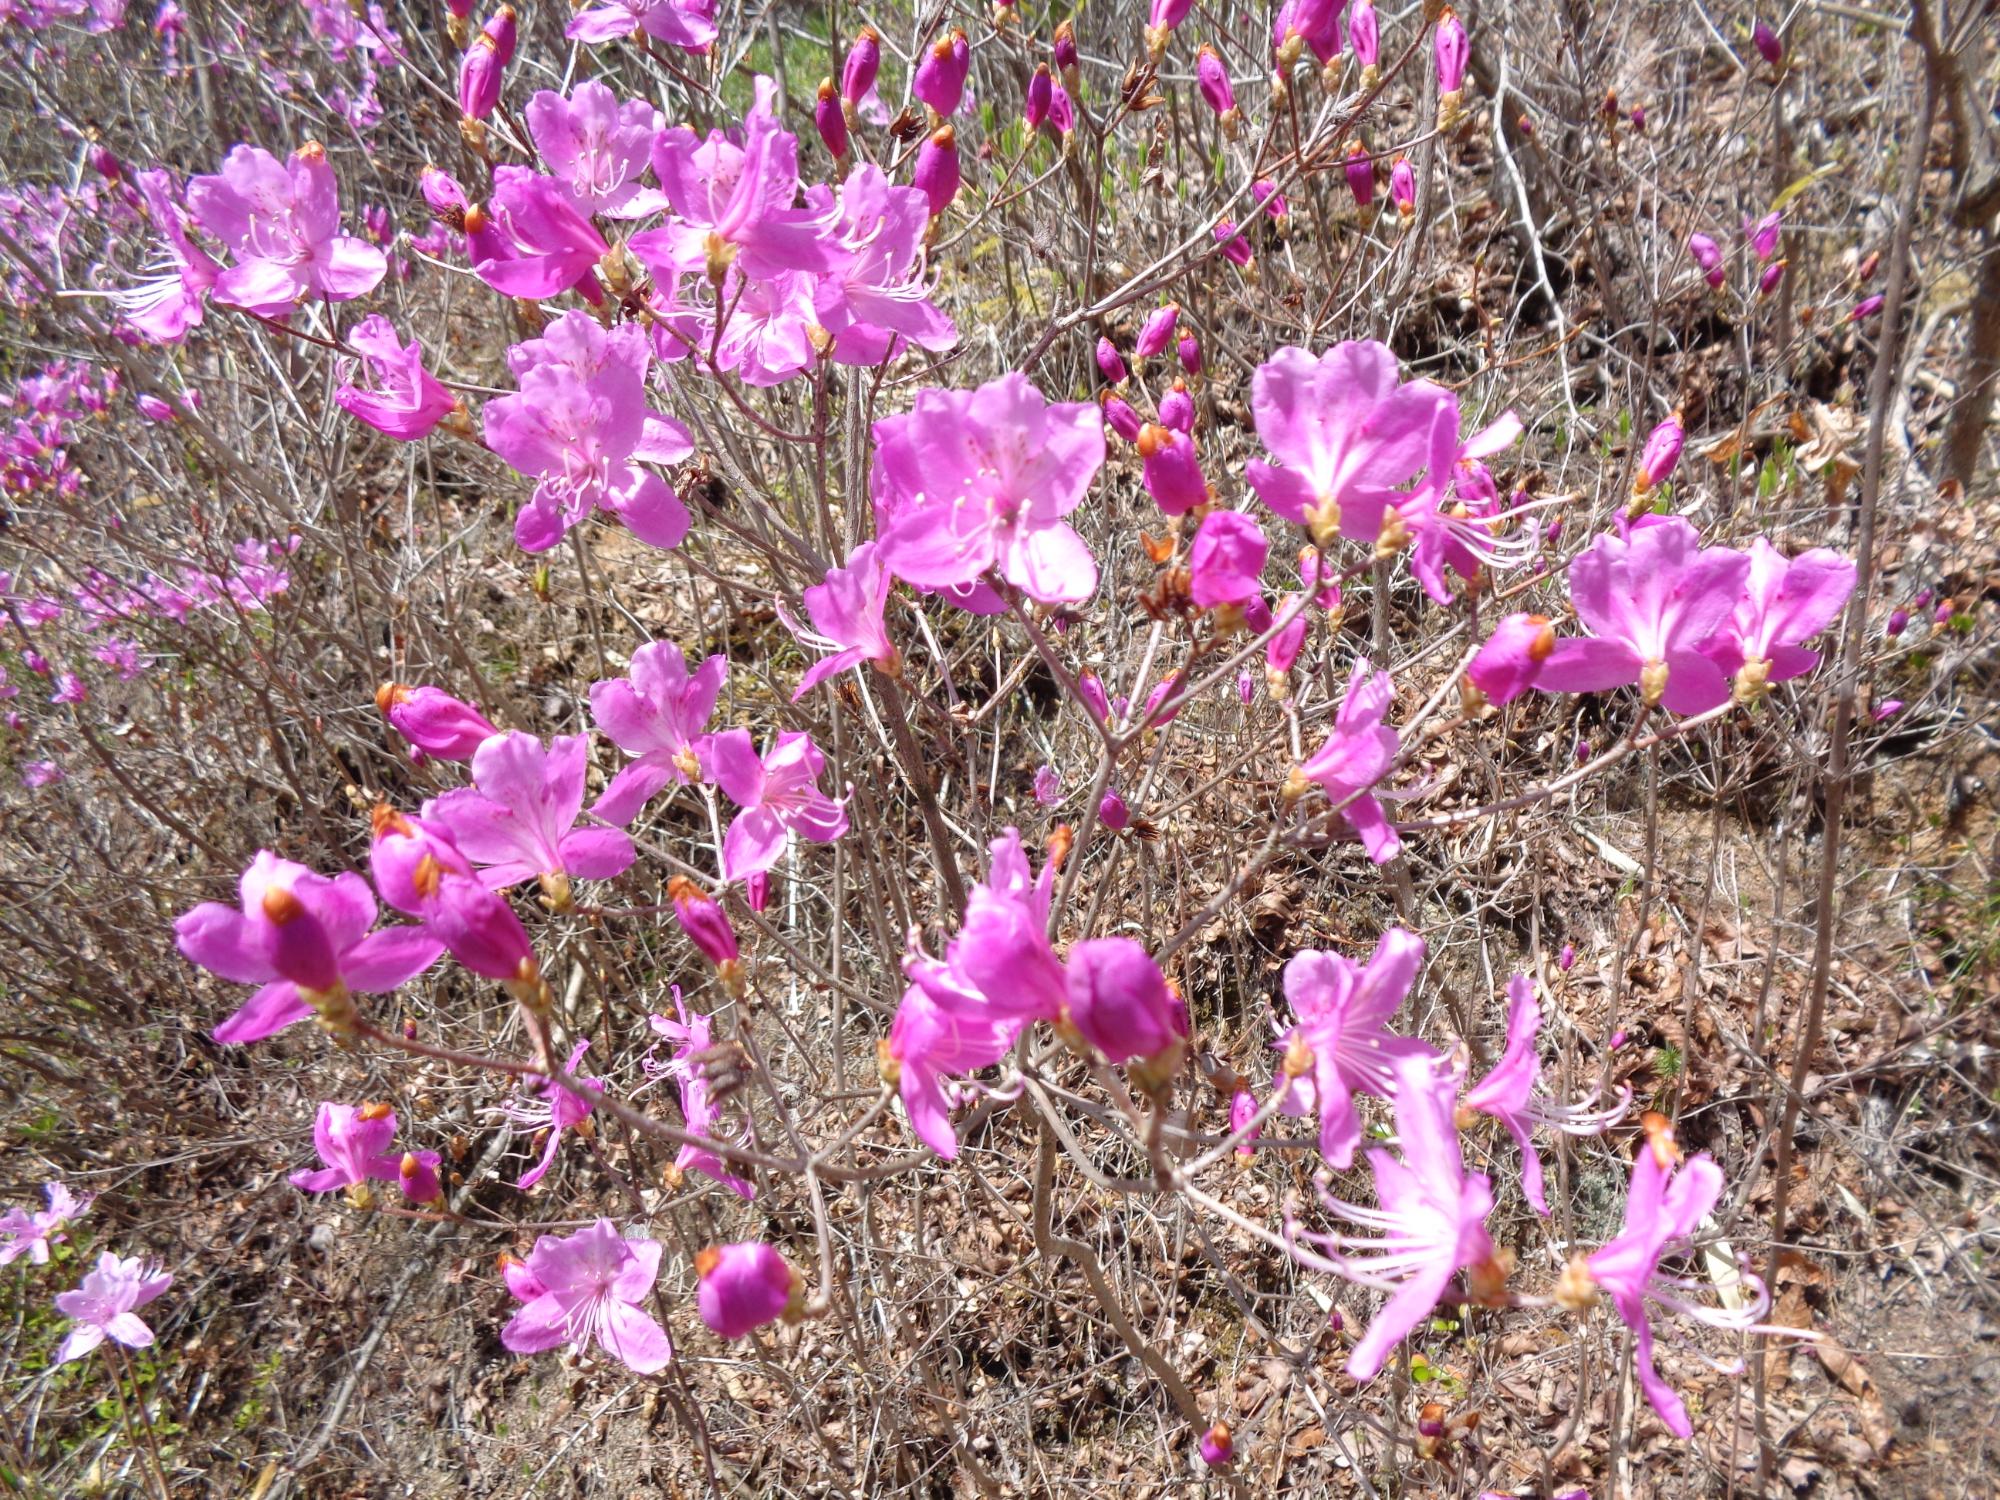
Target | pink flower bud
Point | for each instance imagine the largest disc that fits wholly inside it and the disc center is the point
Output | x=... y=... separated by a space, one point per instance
x=864 y=61
x=105 y=164
x=1048 y=786
x=481 y=930
x=703 y=920
x=742 y=1287
x=1062 y=113
x=1899 y=621
x=1226 y=560
x=1566 y=960
x=434 y=721
x=1212 y=79
x=1091 y=687
x=1454 y=50
x=1282 y=651
x=1177 y=408
x=1661 y=453
x=1110 y=362
x=937 y=175
x=1189 y=350
x=1403 y=187
x=940 y=79
x=1365 y=33
x=1123 y=420
x=1638 y=118
x=1217 y=1448
x=1242 y=1110
x=1943 y=613
x=1118 y=1000
x=1246 y=686
x=1708 y=255
x=1763 y=234
x=1041 y=90
x=1318 y=575
x=830 y=119
x=1271 y=200
x=1582 y=751
x=1162 y=691
x=1923 y=599
x=417 y=1175
x=1866 y=308
x=1768 y=282
x=1112 y=811
x=1360 y=174
x=459 y=8
x=1158 y=330
x=1767 y=43
x=1235 y=248
x=1171 y=469
x=485 y=63
x=757 y=890
x=1887 y=709
x=442 y=192
x=1510 y=661
x=1064 y=50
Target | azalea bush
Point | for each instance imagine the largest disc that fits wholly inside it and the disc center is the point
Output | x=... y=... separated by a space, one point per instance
x=878 y=735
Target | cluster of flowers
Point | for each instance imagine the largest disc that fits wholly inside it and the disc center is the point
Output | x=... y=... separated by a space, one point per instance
x=105 y=1304
x=45 y=410
x=95 y=16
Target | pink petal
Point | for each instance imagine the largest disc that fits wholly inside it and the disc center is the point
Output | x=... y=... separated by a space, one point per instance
x=265 y=1013
x=597 y=853
x=383 y=960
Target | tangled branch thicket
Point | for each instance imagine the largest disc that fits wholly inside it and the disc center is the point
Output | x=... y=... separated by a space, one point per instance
x=1188 y=748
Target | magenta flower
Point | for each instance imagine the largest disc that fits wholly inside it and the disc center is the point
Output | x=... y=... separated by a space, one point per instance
x=732 y=202
x=1430 y=1224
x=940 y=78
x=699 y=1112
x=282 y=223
x=1218 y=1447
x=1171 y=469
x=1665 y=1205
x=1708 y=255
x=1403 y=188
x=686 y=24
x=1454 y=51
x=304 y=939
x=69 y=689
x=858 y=73
x=1784 y=604
x=943 y=1026
x=433 y=721
x=586 y=1289
x=742 y=1287
x=657 y=714
x=163 y=308
x=410 y=401
x=1307 y=23
x=31 y=1234
x=1763 y=234
x=1365 y=32
x=1652 y=601
x=1090 y=688
x=1226 y=561
x=1118 y=1002
x=1661 y=453
x=37 y=774
x=1177 y=408
x=1508 y=1092
x=1157 y=332
x=1235 y=248
x=1002 y=952
x=779 y=794
x=1189 y=347
x=830 y=120
x=846 y=610
x=1767 y=43
x=1341 y=1011
x=1356 y=755
x=518 y=817
x=1212 y=80
x=1462 y=534
x=1510 y=661
x=354 y=1144
x=581 y=427
x=1866 y=308
x=558 y=1109
x=1360 y=170
x=1772 y=275
x=598 y=148
x=876 y=298
x=972 y=482
x=529 y=240
x=1048 y=785
x=1342 y=431
x=105 y=1305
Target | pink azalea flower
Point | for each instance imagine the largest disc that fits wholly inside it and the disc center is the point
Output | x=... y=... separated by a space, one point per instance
x=558 y=1109
x=658 y=713
x=876 y=297
x=694 y=1036
x=587 y=1288
x=304 y=939
x=483 y=67
x=1177 y=408
x=1511 y=660
x=1358 y=754
x=433 y=721
x=1708 y=255
x=354 y=1144
x=1508 y=1092
x=530 y=241
x=1340 y=1034
x=846 y=609
x=742 y=1287
x=31 y=1234
x=37 y=774
x=1226 y=561
x=518 y=817
x=1316 y=24
x=732 y=202
x=1665 y=1205
x=779 y=794
x=1343 y=433
x=581 y=426
x=1785 y=603
x=979 y=481
x=1464 y=535
x=69 y=689
x=687 y=24
x=165 y=307
x=1763 y=234
x=410 y=401
x=1048 y=785
x=598 y=148
x=1430 y=1224
x=1652 y=600
x=1118 y=1001
x=282 y=223
x=942 y=1027
x=1002 y=952
x=105 y=1305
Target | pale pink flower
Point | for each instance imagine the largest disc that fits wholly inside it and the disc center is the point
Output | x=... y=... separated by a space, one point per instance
x=779 y=794
x=658 y=713
x=1357 y=754
x=31 y=1234
x=281 y=220
x=585 y=1289
x=518 y=817
x=105 y=1305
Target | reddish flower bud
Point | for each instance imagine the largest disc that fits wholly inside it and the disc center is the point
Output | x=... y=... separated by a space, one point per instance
x=1177 y=408
x=1041 y=91
x=1767 y=43
x=1112 y=811
x=1235 y=248
x=1110 y=363
x=433 y=721
x=1403 y=187
x=830 y=119
x=1118 y=1001
x=1172 y=470
x=481 y=70
x=1360 y=174
x=937 y=173
x=1217 y=1447
x=703 y=920
x=1121 y=418
x=742 y=1287
x=940 y=78
x=1158 y=330
x=1212 y=79
x=864 y=61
